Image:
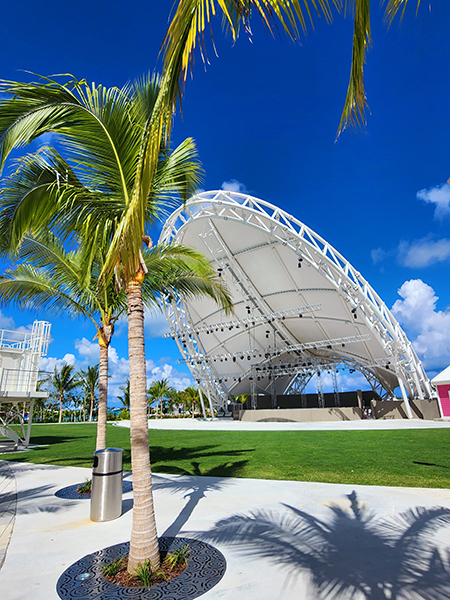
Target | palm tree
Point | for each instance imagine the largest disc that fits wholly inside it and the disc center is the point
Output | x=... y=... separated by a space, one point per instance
x=63 y=381
x=192 y=396
x=125 y=399
x=120 y=174
x=159 y=390
x=90 y=386
x=51 y=278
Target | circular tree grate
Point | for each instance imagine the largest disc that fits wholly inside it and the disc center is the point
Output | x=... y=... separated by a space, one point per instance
x=70 y=492
x=84 y=580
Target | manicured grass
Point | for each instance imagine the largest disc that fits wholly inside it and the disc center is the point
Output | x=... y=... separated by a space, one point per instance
x=417 y=458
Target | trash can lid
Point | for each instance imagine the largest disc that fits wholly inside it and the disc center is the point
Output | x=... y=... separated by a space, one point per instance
x=108 y=460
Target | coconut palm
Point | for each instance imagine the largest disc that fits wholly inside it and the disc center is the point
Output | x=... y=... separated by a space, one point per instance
x=63 y=381
x=90 y=385
x=120 y=175
x=51 y=278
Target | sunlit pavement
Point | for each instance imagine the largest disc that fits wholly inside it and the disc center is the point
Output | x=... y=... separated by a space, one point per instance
x=289 y=531
x=230 y=425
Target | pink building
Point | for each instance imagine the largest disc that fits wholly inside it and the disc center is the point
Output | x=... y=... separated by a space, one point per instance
x=442 y=383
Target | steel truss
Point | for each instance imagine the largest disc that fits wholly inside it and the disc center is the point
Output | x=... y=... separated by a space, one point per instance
x=272 y=352
x=248 y=322
x=363 y=302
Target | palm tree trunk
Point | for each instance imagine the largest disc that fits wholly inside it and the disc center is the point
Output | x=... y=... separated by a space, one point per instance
x=144 y=540
x=102 y=397
x=60 y=408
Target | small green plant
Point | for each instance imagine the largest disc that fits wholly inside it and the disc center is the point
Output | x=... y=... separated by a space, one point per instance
x=85 y=488
x=111 y=569
x=146 y=574
x=177 y=557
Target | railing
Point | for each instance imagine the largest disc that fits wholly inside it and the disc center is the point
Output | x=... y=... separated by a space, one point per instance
x=17 y=380
x=36 y=340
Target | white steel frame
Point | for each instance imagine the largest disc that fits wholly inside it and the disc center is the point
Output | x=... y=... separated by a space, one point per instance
x=314 y=251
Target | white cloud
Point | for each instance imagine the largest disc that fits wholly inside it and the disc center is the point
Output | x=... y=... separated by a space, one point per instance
x=178 y=380
x=233 y=185
x=378 y=255
x=440 y=196
x=428 y=328
x=347 y=382
x=48 y=364
x=423 y=253
x=89 y=351
x=155 y=324
x=417 y=254
x=6 y=322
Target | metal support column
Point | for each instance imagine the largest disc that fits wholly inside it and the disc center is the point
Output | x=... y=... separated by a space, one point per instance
x=210 y=403
x=337 y=400
x=405 y=399
x=320 y=397
x=201 y=402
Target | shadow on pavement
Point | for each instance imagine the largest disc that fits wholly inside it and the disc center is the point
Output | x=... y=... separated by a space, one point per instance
x=351 y=554
x=196 y=484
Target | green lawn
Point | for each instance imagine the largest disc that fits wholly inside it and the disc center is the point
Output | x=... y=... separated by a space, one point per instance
x=402 y=458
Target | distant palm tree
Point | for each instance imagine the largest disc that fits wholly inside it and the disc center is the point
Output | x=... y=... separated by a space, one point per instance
x=64 y=381
x=90 y=385
x=159 y=390
x=125 y=399
x=192 y=397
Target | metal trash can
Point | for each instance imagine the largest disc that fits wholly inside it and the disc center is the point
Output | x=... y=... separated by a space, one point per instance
x=106 y=491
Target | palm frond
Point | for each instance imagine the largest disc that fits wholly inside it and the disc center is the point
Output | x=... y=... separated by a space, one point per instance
x=392 y=8
x=31 y=288
x=178 y=171
x=354 y=112
x=177 y=270
x=191 y=17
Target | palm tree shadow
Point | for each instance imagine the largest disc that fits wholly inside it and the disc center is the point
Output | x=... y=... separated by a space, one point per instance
x=196 y=485
x=353 y=554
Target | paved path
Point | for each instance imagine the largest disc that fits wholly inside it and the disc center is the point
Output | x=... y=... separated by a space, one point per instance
x=230 y=425
x=288 y=532
x=8 y=501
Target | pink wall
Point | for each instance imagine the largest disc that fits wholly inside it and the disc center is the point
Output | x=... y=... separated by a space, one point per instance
x=443 y=391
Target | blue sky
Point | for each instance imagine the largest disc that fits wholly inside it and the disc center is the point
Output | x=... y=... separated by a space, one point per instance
x=264 y=115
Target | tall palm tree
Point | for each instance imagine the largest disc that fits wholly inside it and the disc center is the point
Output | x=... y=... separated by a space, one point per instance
x=63 y=381
x=120 y=174
x=48 y=277
x=90 y=385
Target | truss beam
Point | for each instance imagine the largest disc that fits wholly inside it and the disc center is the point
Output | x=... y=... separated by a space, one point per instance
x=250 y=321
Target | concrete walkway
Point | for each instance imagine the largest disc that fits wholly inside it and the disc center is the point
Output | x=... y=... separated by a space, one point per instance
x=343 y=534
x=230 y=425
